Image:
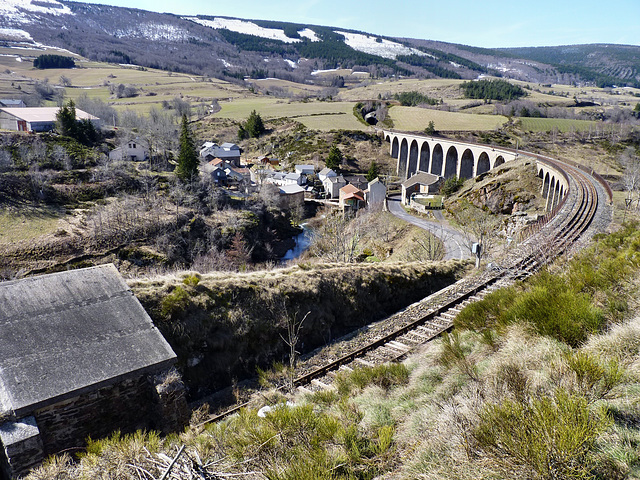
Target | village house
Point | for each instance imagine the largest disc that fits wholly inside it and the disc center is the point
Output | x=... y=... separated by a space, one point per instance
x=268 y=162
x=358 y=181
x=325 y=173
x=37 y=119
x=134 y=150
x=332 y=185
x=216 y=170
x=229 y=152
x=238 y=174
x=291 y=196
x=305 y=169
x=79 y=357
x=351 y=198
x=422 y=182
x=376 y=194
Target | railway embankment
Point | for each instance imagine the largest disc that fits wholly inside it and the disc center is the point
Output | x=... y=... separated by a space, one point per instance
x=224 y=326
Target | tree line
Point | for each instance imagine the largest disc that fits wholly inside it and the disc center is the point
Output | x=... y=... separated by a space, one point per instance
x=53 y=61
x=492 y=90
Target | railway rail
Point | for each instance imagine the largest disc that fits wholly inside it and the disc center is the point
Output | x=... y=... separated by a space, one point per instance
x=554 y=235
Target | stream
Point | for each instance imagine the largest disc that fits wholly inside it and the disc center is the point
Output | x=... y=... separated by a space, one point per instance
x=303 y=240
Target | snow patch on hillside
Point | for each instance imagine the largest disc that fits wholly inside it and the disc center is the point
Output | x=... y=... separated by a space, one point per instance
x=15 y=34
x=310 y=34
x=320 y=72
x=291 y=63
x=21 y=11
x=385 y=48
x=243 y=26
x=155 y=31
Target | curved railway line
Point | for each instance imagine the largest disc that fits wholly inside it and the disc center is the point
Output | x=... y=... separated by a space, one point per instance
x=423 y=321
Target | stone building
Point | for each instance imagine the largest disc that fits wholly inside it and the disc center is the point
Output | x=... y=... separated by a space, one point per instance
x=79 y=357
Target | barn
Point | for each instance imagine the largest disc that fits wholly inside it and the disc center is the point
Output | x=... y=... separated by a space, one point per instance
x=79 y=357
x=36 y=119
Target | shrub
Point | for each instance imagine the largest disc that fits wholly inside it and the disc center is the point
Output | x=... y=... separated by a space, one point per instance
x=555 y=437
x=174 y=303
x=384 y=376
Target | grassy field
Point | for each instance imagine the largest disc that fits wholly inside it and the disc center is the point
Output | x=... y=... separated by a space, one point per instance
x=562 y=124
x=323 y=116
x=416 y=119
x=27 y=223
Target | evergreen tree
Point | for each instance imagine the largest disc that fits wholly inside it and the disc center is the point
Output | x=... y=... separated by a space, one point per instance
x=334 y=159
x=431 y=128
x=373 y=171
x=252 y=128
x=187 y=167
x=66 y=122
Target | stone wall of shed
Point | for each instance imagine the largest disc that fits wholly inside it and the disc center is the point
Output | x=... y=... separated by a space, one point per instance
x=67 y=424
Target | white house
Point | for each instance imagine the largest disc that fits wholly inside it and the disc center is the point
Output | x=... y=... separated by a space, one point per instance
x=294 y=179
x=305 y=169
x=375 y=194
x=134 y=150
x=332 y=185
x=325 y=173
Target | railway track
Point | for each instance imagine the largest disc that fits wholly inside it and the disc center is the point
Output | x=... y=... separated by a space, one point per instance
x=421 y=323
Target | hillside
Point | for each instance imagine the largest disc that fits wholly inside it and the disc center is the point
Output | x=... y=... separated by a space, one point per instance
x=233 y=48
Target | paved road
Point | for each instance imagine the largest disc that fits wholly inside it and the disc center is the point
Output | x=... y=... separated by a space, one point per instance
x=453 y=240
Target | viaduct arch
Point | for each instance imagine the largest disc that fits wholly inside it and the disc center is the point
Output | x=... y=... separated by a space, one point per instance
x=448 y=158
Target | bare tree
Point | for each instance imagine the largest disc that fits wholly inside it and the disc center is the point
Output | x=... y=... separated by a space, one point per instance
x=478 y=227
x=428 y=246
x=631 y=178
x=294 y=324
x=338 y=238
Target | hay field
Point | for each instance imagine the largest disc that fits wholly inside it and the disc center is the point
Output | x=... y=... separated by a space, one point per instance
x=562 y=124
x=415 y=119
x=317 y=115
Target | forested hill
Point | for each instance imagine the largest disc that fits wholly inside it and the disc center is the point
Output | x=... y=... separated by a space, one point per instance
x=235 y=49
x=602 y=64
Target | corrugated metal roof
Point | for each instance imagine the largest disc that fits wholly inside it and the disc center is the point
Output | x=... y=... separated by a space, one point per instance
x=67 y=333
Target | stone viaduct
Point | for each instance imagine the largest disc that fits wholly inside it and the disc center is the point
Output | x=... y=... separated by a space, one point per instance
x=448 y=158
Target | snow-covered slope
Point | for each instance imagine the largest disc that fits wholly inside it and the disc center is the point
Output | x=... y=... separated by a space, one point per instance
x=249 y=28
x=21 y=11
x=371 y=44
x=154 y=31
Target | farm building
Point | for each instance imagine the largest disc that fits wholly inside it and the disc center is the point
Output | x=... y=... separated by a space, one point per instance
x=79 y=357
x=420 y=183
x=36 y=119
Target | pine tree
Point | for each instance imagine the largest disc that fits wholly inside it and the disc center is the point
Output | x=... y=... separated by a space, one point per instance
x=66 y=122
x=252 y=128
x=373 y=171
x=187 y=167
x=334 y=159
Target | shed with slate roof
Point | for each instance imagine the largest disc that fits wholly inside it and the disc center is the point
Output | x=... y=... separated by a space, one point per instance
x=79 y=357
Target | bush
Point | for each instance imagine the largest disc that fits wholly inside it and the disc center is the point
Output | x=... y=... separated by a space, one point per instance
x=451 y=185
x=555 y=437
x=384 y=376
